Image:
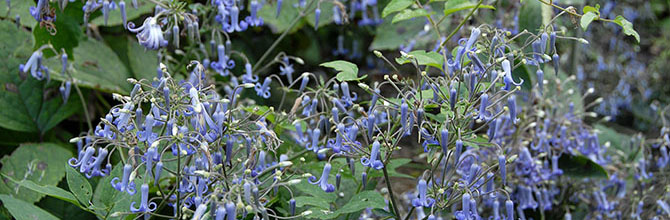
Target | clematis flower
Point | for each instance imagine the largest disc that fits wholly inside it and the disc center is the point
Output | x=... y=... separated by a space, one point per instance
x=34 y=65
x=145 y=205
x=235 y=23
x=422 y=199
x=263 y=90
x=509 y=81
x=253 y=19
x=125 y=185
x=149 y=34
x=287 y=69
x=323 y=181
x=372 y=161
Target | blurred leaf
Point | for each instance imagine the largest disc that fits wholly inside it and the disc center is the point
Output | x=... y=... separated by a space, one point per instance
x=431 y=58
x=522 y=73
x=68 y=33
x=64 y=210
x=311 y=201
x=22 y=210
x=21 y=8
x=47 y=169
x=145 y=7
x=580 y=166
x=588 y=9
x=627 y=27
x=316 y=191
x=409 y=14
x=347 y=71
x=78 y=185
x=49 y=190
x=363 y=200
x=587 y=19
x=530 y=15
x=288 y=13
x=395 y=6
x=96 y=67
x=326 y=16
x=453 y=6
x=389 y=36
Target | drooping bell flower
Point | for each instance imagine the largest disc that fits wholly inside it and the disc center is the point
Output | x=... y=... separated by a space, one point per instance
x=291 y=205
x=337 y=15
x=314 y=146
x=149 y=34
x=474 y=35
x=65 y=91
x=157 y=171
x=444 y=140
x=540 y=80
x=372 y=161
x=373 y=100
x=287 y=69
x=303 y=83
x=457 y=151
x=145 y=205
x=253 y=19
x=279 y=3
x=452 y=98
x=317 y=14
x=503 y=168
x=483 y=115
x=230 y=211
x=422 y=199
x=511 y=103
x=403 y=116
x=347 y=97
x=371 y=125
x=509 y=81
x=34 y=65
x=125 y=185
x=199 y=212
x=235 y=23
x=263 y=90
x=556 y=58
x=323 y=181
x=94 y=169
x=249 y=77
x=124 y=17
x=83 y=160
x=554 y=166
x=509 y=207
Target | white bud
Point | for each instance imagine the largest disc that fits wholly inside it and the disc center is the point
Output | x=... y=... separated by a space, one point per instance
x=306 y=213
x=74 y=140
x=294 y=181
x=582 y=40
x=590 y=90
x=285 y=163
x=248 y=85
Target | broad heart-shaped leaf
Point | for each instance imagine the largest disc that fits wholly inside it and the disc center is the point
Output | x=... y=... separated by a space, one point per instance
x=395 y=6
x=453 y=6
x=390 y=36
x=46 y=162
x=109 y=200
x=346 y=71
x=35 y=105
x=20 y=8
x=627 y=27
x=311 y=201
x=68 y=33
x=22 y=210
x=587 y=19
x=96 y=67
x=363 y=200
x=431 y=58
x=409 y=14
x=580 y=167
x=288 y=12
x=78 y=185
x=49 y=190
x=144 y=7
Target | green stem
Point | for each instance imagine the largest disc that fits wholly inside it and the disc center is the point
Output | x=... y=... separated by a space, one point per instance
x=388 y=185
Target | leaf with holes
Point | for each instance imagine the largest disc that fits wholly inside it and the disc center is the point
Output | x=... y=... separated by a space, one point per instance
x=46 y=169
x=78 y=185
x=22 y=210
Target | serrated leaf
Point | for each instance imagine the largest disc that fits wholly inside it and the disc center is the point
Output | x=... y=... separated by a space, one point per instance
x=431 y=58
x=22 y=210
x=587 y=19
x=36 y=105
x=409 y=14
x=144 y=7
x=347 y=71
x=627 y=27
x=395 y=6
x=453 y=6
x=47 y=169
x=78 y=185
x=49 y=190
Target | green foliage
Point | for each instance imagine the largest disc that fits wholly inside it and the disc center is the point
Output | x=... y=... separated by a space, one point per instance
x=453 y=6
x=346 y=71
x=145 y=7
x=580 y=167
x=108 y=200
x=422 y=57
x=37 y=106
x=78 y=185
x=409 y=14
x=20 y=8
x=391 y=35
x=48 y=190
x=627 y=27
x=67 y=35
x=46 y=169
x=22 y=210
x=395 y=6
x=587 y=19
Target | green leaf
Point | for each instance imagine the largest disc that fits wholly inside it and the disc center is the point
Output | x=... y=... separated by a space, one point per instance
x=109 y=199
x=36 y=105
x=530 y=17
x=96 y=67
x=409 y=14
x=78 y=185
x=627 y=27
x=49 y=190
x=363 y=200
x=143 y=63
x=390 y=36
x=21 y=8
x=47 y=169
x=315 y=191
x=326 y=16
x=587 y=19
x=431 y=58
x=145 y=7
x=22 y=210
x=68 y=33
x=347 y=71
x=453 y=6
x=301 y=201
x=580 y=167
x=395 y=6
x=588 y=9
x=288 y=13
